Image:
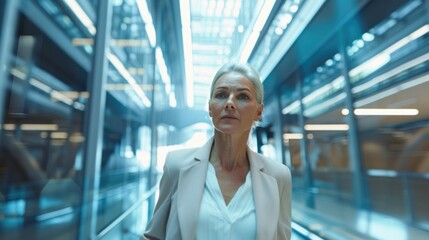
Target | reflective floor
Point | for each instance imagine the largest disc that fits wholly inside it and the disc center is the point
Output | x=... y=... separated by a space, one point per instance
x=333 y=219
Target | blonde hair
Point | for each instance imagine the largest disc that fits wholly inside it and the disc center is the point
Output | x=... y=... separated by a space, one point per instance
x=248 y=71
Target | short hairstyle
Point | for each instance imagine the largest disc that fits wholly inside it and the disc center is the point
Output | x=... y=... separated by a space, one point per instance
x=248 y=71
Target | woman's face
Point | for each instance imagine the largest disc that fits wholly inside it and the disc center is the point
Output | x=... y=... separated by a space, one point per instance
x=233 y=106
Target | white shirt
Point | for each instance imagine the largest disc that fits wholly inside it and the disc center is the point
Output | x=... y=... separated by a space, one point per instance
x=235 y=221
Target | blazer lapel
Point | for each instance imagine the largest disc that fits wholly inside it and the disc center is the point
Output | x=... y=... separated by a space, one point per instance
x=190 y=191
x=266 y=196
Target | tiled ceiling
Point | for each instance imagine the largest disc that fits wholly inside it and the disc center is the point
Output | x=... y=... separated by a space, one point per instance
x=217 y=32
x=236 y=30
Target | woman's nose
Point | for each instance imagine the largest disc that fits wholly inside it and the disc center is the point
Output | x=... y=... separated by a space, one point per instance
x=230 y=102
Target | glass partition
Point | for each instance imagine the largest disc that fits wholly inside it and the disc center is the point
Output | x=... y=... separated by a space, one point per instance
x=392 y=113
x=44 y=142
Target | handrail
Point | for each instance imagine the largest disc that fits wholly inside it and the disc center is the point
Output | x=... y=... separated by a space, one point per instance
x=126 y=213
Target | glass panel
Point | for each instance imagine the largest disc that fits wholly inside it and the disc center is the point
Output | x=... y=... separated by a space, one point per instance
x=42 y=139
x=327 y=131
x=127 y=133
x=392 y=113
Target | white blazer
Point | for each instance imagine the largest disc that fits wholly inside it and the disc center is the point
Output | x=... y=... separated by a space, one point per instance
x=181 y=188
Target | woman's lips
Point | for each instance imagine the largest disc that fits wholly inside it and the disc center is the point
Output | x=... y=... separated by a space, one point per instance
x=228 y=117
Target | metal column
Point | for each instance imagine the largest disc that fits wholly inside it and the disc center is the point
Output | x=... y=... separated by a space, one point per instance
x=153 y=174
x=304 y=150
x=94 y=122
x=8 y=21
x=360 y=186
x=278 y=129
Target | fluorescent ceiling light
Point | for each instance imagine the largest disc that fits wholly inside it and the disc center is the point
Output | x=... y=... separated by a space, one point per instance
x=59 y=135
x=54 y=214
x=81 y=15
x=56 y=95
x=147 y=19
x=18 y=73
x=9 y=126
x=113 y=42
x=39 y=127
x=37 y=84
x=324 y=90
x=304 y=15
x=257 y=27
x=292 y=136
x=172 y=100
x=391 y=91
x=326 y=104
x=250 y=44
x=391 y=73
x=163 y=69
x=291 y=107
x=127 y=76
x=383 y=57
x=326 y=127
x=382 y=173
x=383 y=111
x=187 y=50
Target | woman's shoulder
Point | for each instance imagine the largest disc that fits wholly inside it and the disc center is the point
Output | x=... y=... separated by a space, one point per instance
x=275 y=168
x=179 y=158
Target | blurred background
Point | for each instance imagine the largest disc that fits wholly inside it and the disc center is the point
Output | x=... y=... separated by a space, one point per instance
x=94 y=93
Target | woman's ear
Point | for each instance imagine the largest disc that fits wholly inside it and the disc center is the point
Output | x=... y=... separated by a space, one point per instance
x=210 y=109
x=259 y=112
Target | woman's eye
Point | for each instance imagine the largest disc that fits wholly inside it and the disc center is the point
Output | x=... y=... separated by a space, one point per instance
x=220 y=95
x=243 y=97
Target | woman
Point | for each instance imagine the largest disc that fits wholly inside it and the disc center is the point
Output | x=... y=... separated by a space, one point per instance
x=224 y=190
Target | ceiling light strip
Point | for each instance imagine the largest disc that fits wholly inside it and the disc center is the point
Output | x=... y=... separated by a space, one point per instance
x=383 y=111
x=187 y=50
x=81 y=15
x=302 y=18
x=162 y=69
x=147 y=19
x=257 y=27
x=326 y=127
x=387 y=75
x=125 y=74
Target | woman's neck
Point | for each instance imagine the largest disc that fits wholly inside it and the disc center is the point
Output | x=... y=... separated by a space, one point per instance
x=229 y=152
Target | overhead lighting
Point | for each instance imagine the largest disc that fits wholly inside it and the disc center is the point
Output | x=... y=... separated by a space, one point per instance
x=59 y=135
x=9 y=126
x=39 y=127
x=55 y=214
x=187 y=51
x=257 y=27
x=305 y=14
x=163 y=69
x=81 y=15
x=291 y=107
x=288 y=136
x=147 y=19
x=113 y=42
x=37 y=84
x=382 y=173
x=324 y=90
x=383 y=58
x=18 y=73
x=326 y=104
x=172 y=100
x=326 y=127
x=58 y=96
x=127 y=76
x=394 y=90
x=76 y=138
x=383 y=111
x=380 y=60
x=391 y=73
